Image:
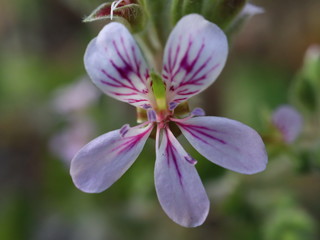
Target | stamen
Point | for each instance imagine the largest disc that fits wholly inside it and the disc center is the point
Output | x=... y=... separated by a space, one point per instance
x=146 y=106
x=172 y=105
x=152 y=116
x=114 y=5
x=190 y=160
x=124 y=129
x=198 y=112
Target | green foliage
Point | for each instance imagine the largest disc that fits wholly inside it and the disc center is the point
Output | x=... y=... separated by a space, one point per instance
x=306 y=87
x=289 y=224
x=222 y=12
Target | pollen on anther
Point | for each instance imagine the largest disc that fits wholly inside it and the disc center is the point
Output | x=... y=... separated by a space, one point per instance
x=152 y=116
x=146 y=106
x=198 y=112
x=172 y=105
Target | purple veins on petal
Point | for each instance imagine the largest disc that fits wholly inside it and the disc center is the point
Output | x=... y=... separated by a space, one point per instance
x=201 y=133
x=194 y=56
x=131 y=141
x=115 y=64
x=171 y=153
x=226 y=142
x=105 y=159
x=178 y=185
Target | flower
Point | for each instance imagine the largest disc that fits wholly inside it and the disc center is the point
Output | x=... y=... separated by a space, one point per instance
x=194 y=56
x=288 y=121
x=75 y=97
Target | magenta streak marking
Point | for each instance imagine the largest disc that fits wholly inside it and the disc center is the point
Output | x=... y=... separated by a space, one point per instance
x=193 y=63
x=184 y=93
x=120 y=84
x=138 y=66
x=125 y=50
x=198 y=70
x=194 y=131
x=195 y=82
x=137 y=63
x=172 y=66
x=128 y=65
x=184 y=61
x=169 y=59
x=147 y=75
x=123 y=94
x=131 y=100
x=176 y=56
x=131 y=142
x=171 y=154
x=165 y=76
x=123 y=71
x=198 y=80
x=180 y=99
x=165 y=68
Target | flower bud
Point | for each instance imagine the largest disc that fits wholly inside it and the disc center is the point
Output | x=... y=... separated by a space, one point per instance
x=130 y=12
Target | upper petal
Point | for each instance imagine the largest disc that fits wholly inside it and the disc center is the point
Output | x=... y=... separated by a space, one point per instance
x=194 y=56
x=114 y=62
x=178 y=185
x=226 y=142
x=105 y=159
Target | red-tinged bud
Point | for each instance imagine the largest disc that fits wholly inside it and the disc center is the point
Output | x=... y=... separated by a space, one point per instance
x=129 y=11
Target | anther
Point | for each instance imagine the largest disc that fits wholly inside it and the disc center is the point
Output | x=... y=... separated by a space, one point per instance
x=146 y=106
x=190 y=160
x=152 y=116
x=172 y=105
x=124 y=130
x=198 y=112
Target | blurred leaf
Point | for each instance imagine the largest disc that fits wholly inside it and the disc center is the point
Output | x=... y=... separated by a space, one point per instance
x=222 y=12
x=306 y=87
x=289 y=224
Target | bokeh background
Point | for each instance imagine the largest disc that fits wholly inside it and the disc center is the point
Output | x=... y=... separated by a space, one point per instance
x=49 y=109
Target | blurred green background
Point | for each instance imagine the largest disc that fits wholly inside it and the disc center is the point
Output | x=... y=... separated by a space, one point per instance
x=41 y=52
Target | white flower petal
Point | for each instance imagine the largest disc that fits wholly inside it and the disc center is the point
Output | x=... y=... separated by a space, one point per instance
x=178 y=185
x=194 y=56
x=226 y=142
x=114 y=62
x=105 y=159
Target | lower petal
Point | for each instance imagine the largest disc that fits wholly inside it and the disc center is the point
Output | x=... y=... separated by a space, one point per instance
x=226 y=142
x=178 y=185
x=105 y=159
